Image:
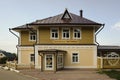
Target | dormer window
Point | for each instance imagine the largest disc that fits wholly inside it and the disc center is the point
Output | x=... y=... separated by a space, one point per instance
x=66 y=16
x=32 y=36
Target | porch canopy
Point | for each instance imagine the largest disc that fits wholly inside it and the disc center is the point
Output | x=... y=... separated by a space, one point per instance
x=49 y=51
x=52 y=59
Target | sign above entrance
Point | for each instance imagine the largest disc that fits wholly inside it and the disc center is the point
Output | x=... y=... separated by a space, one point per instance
x=65 y=41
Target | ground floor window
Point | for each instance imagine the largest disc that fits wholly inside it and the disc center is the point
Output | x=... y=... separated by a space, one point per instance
x=75 y=57
x=32 y=57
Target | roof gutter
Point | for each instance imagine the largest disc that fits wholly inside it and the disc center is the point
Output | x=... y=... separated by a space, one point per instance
x=98 y=32
x=17 y=37
x=14 y=34
x=36 y=37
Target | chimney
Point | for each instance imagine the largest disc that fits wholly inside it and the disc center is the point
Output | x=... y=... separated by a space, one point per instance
x=81 y=13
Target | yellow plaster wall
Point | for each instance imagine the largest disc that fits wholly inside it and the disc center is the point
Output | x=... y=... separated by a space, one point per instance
x=25 y=38
x=25 y=56
x=87 y=55
x=87 y=37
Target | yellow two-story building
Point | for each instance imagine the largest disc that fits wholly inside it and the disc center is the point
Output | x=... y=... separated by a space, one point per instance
x=66 y=40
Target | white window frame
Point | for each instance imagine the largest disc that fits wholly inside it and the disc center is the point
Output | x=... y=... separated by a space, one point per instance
x=72 y=57
x=62 y=33
x=60 y=56
x=31 y=39
x=31 y=56
x=51 y=33
x=74 y=33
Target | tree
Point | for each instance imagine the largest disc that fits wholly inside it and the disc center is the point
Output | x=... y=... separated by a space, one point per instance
x=3 y=60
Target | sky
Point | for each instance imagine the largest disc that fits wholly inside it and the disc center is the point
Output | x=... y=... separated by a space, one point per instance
x=15 y=13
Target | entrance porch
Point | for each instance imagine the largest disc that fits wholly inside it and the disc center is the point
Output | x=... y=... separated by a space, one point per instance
x=52 y=59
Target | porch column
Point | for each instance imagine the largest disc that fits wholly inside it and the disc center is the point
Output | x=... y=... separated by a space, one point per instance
x=36 y=58
x=55 y=62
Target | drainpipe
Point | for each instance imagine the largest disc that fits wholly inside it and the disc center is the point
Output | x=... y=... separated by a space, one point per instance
x=97 y=33
x=32 y=31
x=10 y=30
x=35 y=41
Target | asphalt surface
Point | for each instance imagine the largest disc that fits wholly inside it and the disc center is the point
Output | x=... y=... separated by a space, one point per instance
x=10 y=75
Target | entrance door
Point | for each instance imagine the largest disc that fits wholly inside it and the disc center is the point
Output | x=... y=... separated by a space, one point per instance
x=49 y=62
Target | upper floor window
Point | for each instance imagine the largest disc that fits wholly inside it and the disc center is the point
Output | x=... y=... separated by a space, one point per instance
x=32 y=36
x=75 y=58
x=66 y=33
x=76 y=33
x=54 y=33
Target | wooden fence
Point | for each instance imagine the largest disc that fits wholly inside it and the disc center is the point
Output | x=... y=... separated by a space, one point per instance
x=108 y=63
x=14 y=65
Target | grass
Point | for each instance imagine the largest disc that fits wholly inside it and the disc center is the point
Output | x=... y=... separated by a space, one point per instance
x=111 y=73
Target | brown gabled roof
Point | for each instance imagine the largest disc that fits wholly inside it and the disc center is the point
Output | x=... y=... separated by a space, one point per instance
x=59 y=20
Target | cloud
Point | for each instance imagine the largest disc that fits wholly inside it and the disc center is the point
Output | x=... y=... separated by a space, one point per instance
x=116 y=26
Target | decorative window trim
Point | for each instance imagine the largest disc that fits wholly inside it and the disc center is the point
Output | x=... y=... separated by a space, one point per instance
x=34 y=35
x=74 y=34
x=51 y=33
x=69 y=33
x=72 y=57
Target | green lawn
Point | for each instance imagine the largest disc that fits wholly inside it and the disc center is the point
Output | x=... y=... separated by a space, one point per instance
x=111 y=73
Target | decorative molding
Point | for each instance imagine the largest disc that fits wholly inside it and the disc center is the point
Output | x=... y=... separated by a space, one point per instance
x=65 y=46
x=26 y=48
x=80 y=67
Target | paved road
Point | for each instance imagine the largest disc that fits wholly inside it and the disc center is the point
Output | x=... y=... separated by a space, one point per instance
x=9 y=75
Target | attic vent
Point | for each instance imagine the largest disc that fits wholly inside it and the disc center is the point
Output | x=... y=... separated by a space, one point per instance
x=66 y=15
